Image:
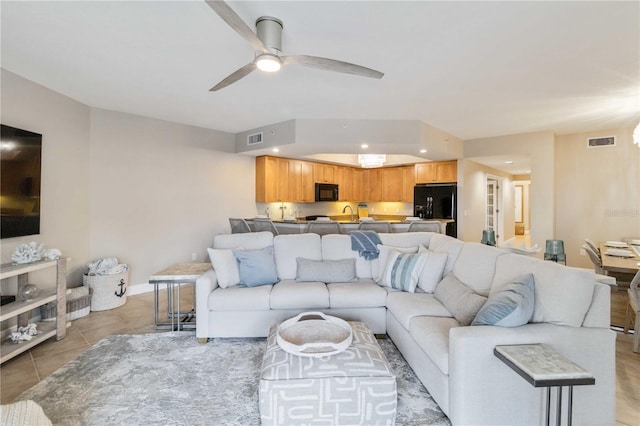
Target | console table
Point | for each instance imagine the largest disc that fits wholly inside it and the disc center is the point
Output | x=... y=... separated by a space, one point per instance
x=173 y=277
x=22 y=309
x=541 y=366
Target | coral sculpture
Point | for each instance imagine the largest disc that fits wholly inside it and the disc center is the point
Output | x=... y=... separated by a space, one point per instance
x=27 y=253
x=25 y=333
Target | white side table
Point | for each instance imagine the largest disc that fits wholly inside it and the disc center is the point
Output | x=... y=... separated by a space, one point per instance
x=173 y=277
x=541 y=366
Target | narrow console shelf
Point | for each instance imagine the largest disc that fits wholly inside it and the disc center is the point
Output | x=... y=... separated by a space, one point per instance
x=22 y=309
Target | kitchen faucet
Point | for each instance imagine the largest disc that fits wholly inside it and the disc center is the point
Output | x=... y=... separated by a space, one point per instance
x=350 y=209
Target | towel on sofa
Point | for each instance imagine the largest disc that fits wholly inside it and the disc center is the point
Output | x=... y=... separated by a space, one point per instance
x=365 y=242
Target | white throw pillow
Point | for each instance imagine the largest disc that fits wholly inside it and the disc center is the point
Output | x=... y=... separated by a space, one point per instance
x=378 y=265
x=433 y=269
x=226 y=267
x=403 y=270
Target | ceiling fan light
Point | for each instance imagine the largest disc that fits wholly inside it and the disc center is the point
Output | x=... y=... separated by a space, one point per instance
x=368 y=161
x=268 y=63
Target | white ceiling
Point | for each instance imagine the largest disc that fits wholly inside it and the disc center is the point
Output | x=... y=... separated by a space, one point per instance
x=473 y=69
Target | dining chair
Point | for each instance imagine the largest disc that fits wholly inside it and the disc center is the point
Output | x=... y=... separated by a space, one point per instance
x=260 y=224
x=593 y=245
x=433 y=226
x=239 y=226
x=323 y=228
x=375 y=225
x=595 y=258
x=632 y=309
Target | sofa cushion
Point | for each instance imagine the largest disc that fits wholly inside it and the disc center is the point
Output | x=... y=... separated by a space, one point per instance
x=326 y=271
x=256 y=267
x=510 y=306
x=363 y=294
x=555 y=284
x=246 y=241
x=432 y=335
x=403 y=271
x=406 y=239
x=240 y=298
x=476 y=266
x=335 y=247
x=446 y=244
x=289 y=294
x=433 y=270
x=406 y=306
x=289 y=247
x=379 y=265
x=226 y=267
x=459 y=299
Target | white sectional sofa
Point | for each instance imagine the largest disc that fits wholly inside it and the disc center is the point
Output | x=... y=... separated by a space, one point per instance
x=455 y=362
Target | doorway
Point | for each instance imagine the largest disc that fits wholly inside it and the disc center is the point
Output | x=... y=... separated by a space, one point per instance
x=493 y=202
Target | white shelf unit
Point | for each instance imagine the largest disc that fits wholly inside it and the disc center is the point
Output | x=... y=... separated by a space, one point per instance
x=22 y=309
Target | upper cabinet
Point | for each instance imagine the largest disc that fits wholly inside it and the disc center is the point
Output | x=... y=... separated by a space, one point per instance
x=436 y=172
x=285 y=180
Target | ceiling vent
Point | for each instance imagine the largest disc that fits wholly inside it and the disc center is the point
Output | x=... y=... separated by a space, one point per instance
x=601 y=141
x=254 y=139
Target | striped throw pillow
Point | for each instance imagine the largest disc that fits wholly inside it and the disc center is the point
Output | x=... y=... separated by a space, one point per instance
x=403 y=271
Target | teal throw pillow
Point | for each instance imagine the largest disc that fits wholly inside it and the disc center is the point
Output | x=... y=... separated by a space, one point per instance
x=510 y=306
x=403 y=271
x=256 y=267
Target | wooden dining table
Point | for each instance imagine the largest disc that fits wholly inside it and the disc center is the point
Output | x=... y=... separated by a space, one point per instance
x=617 y=263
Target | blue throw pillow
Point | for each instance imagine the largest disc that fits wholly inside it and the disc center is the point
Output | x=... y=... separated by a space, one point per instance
x=510 y=306
x=256 y=267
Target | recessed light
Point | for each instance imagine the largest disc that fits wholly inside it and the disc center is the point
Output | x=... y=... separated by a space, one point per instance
x=508 y=162
x=364 y=146
x=275 y=150
x=423 y=151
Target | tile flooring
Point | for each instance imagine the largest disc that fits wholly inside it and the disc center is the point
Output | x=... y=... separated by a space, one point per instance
x=136 y=316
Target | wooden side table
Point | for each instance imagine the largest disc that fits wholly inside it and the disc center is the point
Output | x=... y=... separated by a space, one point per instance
x=173 y=277
x=541 y=366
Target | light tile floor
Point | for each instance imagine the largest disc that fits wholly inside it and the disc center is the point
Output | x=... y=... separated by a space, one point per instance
x=136 y=316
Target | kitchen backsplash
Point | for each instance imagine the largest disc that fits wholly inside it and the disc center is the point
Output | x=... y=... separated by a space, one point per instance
x=301 y=210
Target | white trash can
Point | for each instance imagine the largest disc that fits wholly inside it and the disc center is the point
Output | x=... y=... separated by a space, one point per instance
x=107 y=291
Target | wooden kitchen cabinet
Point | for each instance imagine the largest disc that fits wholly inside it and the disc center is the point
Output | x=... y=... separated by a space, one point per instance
x=344 y=179
x=324 y=173
x=301 y=185
x=272 y=179
x=436 y=172
x=408 y=182
x=374 y=184
x=358 y=185
x=391 y=182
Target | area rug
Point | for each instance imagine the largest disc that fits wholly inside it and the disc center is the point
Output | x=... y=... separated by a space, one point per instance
x=171 y=379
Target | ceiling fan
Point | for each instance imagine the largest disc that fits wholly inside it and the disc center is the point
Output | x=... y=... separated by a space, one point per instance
x=268 y=45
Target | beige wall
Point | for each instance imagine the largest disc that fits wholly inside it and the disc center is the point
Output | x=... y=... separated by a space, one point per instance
x=147 y=191
x=64 y=125
x=597 y=191
x=472 y=189
x=160 y=191
x=540 y=148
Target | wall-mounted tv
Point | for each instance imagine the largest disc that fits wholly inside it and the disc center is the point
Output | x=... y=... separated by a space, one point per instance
x=20 y=164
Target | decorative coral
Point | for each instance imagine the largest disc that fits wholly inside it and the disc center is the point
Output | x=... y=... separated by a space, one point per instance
x=29 y=252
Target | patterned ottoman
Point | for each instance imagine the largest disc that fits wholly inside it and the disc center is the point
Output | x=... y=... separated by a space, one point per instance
x=356 y=386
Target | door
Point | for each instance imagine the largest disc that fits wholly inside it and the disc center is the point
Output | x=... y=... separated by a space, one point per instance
x=493 y=216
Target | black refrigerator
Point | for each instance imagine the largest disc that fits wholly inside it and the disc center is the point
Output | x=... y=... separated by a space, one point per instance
x=437 y=201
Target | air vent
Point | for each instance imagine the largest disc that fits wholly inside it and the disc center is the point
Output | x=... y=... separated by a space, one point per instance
x=602 y=141
x=254 y=139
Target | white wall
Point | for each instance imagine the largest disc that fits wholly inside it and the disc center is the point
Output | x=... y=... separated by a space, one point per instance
x=64 y=125
x=161 y=191
x=597 y=191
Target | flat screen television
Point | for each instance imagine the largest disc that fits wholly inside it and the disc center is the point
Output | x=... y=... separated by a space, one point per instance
x=20 y=164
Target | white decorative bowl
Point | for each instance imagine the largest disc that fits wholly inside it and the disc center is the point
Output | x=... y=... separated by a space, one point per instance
x=320 y=335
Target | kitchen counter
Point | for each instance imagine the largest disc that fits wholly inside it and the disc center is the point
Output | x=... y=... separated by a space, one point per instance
x=346 y=226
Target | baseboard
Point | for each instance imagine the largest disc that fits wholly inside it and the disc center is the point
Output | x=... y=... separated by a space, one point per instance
x=132 y=290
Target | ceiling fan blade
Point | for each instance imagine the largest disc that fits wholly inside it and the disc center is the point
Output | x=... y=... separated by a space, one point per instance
x=235 y=76
x=331 y=65
x=234 y=21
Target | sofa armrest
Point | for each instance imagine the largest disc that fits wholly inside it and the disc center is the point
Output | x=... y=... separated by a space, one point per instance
x=484 y=390
x=204 y=286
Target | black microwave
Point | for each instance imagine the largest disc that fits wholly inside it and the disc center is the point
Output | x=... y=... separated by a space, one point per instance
x=326 y=192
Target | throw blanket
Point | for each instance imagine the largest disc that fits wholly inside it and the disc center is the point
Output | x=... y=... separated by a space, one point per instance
x=365 y=242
